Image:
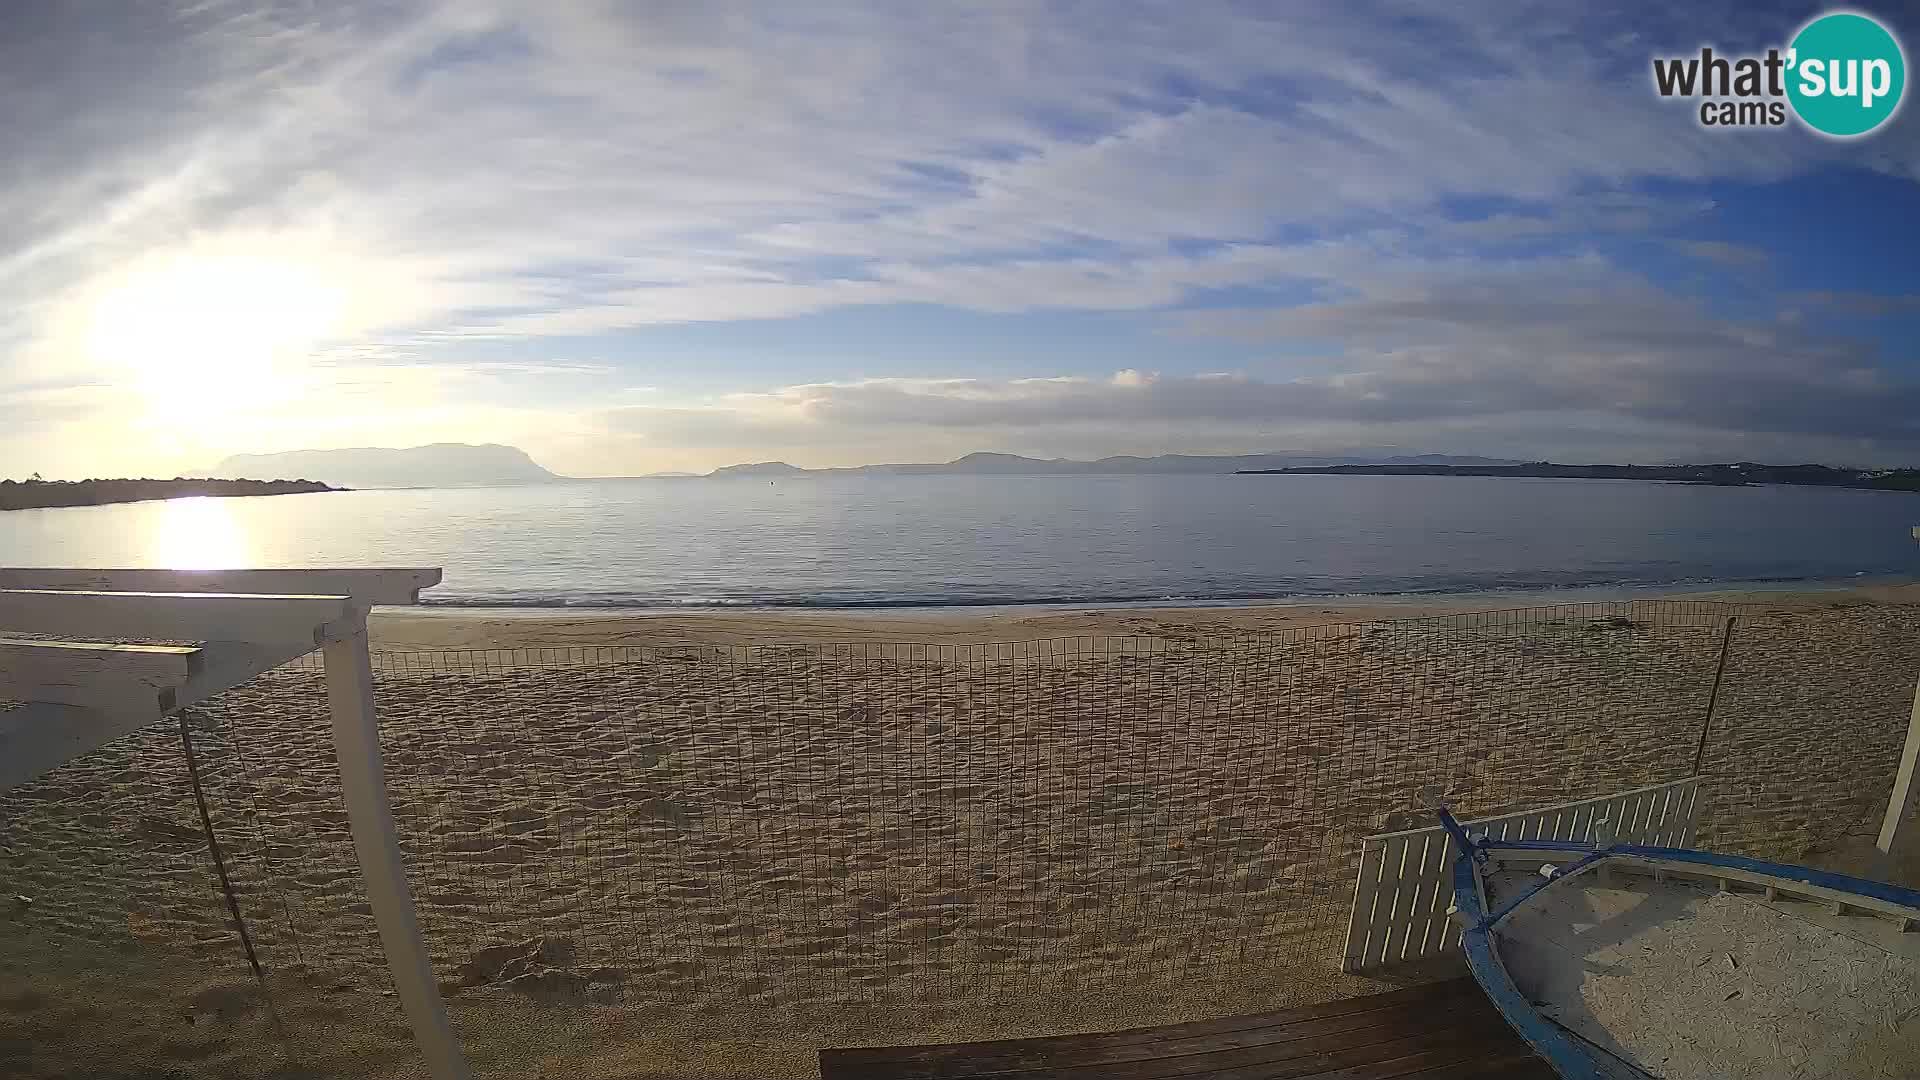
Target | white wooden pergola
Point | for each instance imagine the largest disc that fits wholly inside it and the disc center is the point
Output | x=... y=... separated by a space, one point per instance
x=80 y=691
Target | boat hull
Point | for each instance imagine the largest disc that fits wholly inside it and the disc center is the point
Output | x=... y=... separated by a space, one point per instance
x=1630 y=961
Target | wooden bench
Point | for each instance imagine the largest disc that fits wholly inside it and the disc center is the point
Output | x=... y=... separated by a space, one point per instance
x=1443 y=1031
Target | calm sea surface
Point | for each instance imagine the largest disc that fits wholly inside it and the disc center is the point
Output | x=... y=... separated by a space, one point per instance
x=945 y=540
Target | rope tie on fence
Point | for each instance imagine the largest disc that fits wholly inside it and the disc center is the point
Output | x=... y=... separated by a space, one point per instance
x=213 y=845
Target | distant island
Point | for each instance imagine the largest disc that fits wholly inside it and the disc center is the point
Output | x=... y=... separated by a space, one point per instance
x=435 y=465
x=985 y=464
x=39 y=494
x=1735 y=474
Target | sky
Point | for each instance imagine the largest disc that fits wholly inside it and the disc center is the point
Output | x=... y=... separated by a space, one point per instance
x=640 y=237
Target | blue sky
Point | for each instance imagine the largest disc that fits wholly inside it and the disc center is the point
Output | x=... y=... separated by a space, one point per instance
x=643 y=237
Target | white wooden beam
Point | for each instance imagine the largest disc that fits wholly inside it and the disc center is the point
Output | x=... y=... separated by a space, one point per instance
x=1900 y=800
x=386 y=586
x=1905 y=785
x=168 y=665
x=227 y=664
x=52 y=729
x=356 y=742
x=179 y=616
x=73 y=673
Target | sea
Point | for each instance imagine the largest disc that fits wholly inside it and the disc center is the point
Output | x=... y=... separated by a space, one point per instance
x=951 y=541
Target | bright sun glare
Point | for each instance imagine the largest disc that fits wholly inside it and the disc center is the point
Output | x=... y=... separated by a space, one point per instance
x=203 y=338
x=197 y=534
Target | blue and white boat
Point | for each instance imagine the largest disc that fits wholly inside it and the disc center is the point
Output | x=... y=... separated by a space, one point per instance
x=1625 y=961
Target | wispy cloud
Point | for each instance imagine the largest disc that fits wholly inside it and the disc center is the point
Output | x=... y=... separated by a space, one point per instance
x=478 y=175
x=1736 y=256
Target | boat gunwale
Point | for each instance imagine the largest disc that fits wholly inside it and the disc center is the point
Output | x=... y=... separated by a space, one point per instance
x=1568 y=1056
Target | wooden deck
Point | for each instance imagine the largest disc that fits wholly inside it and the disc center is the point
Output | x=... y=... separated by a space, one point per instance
x=1444 y=1031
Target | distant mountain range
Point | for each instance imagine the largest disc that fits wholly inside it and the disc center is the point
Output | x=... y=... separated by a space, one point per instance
x=984 y=464
x=437 y=465
x=465 y=465
x=1732 y=474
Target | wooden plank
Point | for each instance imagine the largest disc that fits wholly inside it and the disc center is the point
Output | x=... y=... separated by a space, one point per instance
x=1905 y=784
x=91 y=674
x=365 y=586
x=1468 y=1031
x=1660 y=818
x=1363 y=920
x=1431 y=927
x=1679 y=814
x=1391 y=928
x=36 y=740
x=1429 y=996
x=1646 y=816
x=1394 y=919
x=1442 y=1039
x=1690 y=823
x=1412 y=902
x=19 y=653
x=177 y=616
x=1497 y=1061
x=1631 y=811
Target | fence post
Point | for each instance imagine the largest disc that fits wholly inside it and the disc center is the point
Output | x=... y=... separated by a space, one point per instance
x=363 y=780
x=1713 y=696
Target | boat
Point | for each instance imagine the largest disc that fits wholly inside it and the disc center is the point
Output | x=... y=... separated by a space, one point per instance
x=1629 y=962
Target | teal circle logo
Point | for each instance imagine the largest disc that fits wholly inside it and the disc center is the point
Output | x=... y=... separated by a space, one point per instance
x=1846 y=74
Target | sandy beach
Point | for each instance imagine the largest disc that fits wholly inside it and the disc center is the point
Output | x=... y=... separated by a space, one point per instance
x=707 y=844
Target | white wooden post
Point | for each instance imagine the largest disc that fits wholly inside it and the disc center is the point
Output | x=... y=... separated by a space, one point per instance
x=356 y=742
x=1903 y=781
x=1901 y=800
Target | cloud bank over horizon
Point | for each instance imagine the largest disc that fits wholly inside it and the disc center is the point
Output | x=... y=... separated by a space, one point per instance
x=671 y=237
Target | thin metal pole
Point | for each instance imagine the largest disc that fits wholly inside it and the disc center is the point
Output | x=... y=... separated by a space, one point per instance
x=356 y=742
x=1713 y=696
x=213 y=845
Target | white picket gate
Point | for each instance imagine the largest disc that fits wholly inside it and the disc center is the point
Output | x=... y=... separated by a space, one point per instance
x=1405 y=884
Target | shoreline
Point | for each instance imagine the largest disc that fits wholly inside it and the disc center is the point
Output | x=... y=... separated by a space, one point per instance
x=432 y=627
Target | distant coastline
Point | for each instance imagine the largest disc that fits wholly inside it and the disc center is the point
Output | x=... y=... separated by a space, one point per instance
x=45 y=494
x=1736 y=474
x=989 y=464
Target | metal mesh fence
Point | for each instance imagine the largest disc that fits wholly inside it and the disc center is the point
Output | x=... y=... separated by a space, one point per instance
x=942 y=824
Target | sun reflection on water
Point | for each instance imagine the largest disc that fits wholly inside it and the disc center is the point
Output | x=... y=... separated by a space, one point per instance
x=197 y=534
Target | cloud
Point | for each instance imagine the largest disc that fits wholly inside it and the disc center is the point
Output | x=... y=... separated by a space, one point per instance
x=1583 y=335
x=1399 y=351
x=1787 y=394
x=563 y=169
x=1869 y=305
x=476 y=173
x=1735 y=256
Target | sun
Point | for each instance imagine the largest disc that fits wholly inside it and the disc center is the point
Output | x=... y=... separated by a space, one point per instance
x=202 y=338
